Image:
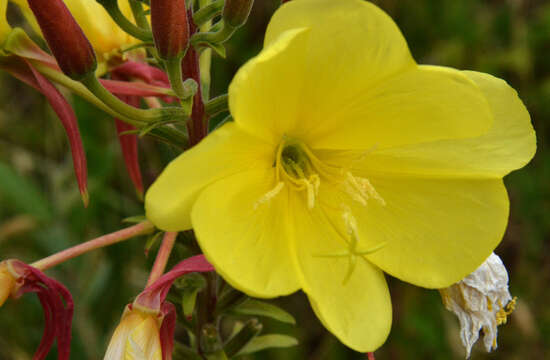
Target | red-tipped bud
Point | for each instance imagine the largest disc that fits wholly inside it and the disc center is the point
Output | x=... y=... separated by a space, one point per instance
x=67 y=41
x=235 y=12
x=170 y=27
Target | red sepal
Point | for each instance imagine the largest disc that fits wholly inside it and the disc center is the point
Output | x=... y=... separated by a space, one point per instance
x=58 y=306
x=68 y=119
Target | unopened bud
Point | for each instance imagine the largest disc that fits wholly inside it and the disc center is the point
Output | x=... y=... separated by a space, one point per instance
x=170 y=27
x=66 y=40
x=235 y=12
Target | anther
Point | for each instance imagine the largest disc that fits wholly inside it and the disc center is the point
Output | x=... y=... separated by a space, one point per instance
x=269 y=195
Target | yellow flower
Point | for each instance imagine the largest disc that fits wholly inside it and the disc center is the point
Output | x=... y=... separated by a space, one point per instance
x=104 y=34
x=346 y=159
x=136 y=337
x=7 y=283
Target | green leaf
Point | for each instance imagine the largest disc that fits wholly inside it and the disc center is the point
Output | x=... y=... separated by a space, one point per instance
x=22 y=194
x=260 y=308
x=268 y=341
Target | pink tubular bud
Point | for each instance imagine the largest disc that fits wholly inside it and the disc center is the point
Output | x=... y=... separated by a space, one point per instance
x=235 y=12
x=66 y=40
x=170 y=27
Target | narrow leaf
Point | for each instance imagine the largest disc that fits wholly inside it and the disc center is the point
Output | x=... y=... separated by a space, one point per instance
x=267 y=342
x=260 y=308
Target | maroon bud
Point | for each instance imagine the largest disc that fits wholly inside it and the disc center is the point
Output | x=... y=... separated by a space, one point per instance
x=170 y=27
x=235 y=12
x=66 y=40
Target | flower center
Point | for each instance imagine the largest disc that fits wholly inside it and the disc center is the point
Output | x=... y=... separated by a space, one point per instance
x=298 y=168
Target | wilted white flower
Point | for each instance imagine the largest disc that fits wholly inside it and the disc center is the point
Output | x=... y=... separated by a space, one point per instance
x=482 y=302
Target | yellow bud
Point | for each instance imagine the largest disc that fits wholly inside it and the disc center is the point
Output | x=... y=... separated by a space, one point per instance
x=7 y=283
x=136 y=337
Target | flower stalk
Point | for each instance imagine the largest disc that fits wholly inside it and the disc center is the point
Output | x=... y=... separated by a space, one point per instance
x=102 y=241
x=149 y=115
x=162 y=257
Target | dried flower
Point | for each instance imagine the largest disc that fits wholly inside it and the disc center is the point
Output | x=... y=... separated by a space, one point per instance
x=481 y=301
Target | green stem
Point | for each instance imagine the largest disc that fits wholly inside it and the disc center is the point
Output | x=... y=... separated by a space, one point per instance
x=183 y=89
x=149 y=115
x=208 y=12
x=216 y=105
x=165 y=133
x=139 y=14
x=205 y=57
x=140 y=45
x=218 y=37
x=140 y=33
x=80 y=90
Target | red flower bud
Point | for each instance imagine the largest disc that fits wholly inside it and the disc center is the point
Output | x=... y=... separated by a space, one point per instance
x=67 y=41
x=235 y=12
x=170 y=27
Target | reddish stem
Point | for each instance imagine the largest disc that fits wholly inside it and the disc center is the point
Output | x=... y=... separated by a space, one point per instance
x=162 y=256
x=96 y=243
x=370 y=356
x=198 y=126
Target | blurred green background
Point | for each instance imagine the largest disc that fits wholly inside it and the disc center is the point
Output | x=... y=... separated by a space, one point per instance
x=41 y=212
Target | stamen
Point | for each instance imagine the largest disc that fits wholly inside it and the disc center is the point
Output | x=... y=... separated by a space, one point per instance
x=269 y=195
x=504 y=312
x=360 y=189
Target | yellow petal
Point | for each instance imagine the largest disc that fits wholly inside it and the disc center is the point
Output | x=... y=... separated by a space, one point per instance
x=265 y=95
x=243 y=232
x=98 y=26
x=318 y=56
x=434 y=231
x=508 y=145
x=5 y=28
x=7 y=283
x=419 y=105
x=222 y=153
x=352 y=46
x=117 y=346
x=143 y=342
x=27 y=14
x=356 y=308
